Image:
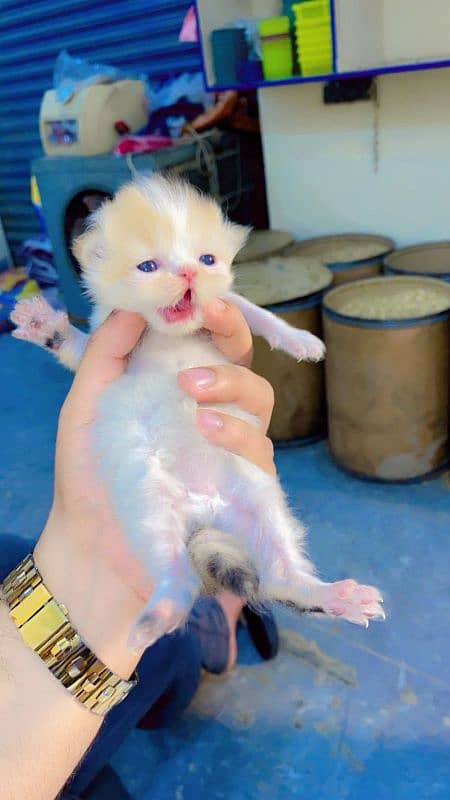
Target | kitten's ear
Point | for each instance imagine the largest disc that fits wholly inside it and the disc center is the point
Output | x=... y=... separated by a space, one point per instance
x=237 y=236
x=89 y=247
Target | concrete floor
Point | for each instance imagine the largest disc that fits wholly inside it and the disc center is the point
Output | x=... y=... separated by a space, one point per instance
x=343 y=713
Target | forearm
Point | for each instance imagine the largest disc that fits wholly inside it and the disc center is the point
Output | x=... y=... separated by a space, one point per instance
x=44 y=730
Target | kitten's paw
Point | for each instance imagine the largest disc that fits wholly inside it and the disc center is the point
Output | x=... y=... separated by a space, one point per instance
x=301 y=345
x=39 y=323
x=351 y=601
x=158 y=619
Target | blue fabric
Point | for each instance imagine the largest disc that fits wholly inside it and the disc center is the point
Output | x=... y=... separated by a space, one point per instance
x=170 y=670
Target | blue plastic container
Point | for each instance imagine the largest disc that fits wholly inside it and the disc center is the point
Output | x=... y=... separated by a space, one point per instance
x=251 y=72
x=229 y=51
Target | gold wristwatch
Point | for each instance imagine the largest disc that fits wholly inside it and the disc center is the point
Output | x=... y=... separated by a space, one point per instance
x=44 y=626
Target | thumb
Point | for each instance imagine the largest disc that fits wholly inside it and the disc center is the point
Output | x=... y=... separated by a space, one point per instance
x=104 y=360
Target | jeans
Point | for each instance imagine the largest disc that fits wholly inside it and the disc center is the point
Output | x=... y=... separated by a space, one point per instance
x=169 y=674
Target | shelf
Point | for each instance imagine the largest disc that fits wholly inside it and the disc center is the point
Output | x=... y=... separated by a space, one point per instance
x=333 y=76
x=370 y=37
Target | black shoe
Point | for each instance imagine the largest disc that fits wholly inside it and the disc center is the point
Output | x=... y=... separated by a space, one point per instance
x=263 y=631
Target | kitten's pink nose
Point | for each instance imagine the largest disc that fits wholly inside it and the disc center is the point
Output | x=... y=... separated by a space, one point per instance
x=189 y=273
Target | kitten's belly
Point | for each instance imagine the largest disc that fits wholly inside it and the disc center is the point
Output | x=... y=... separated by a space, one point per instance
x=146 y=407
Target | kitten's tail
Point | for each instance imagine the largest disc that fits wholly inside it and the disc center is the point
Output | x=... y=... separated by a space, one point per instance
x=221 y=561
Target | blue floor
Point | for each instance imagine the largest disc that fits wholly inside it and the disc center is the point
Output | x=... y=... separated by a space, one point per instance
x=343 y=713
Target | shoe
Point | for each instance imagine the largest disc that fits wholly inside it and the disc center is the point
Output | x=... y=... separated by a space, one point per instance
x=263 y=631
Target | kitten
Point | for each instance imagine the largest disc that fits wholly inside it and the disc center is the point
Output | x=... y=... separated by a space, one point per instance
x=193 y=513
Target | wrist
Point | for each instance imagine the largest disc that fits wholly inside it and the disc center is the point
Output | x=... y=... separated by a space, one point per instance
x=100 y=605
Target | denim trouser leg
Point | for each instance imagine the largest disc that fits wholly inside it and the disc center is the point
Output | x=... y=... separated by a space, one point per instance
x=171 y=667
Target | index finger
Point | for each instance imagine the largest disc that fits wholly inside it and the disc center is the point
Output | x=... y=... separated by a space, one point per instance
x=230 y=332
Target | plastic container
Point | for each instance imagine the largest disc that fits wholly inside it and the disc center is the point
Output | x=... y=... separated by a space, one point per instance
x=291 y=288
x=432 y=260
x=322 y=66
x=312 y=13
x=250 y=71
x=229 y=51
x=288 y=10
x=350 y=256
x=313 y=37
x=276 y=48
x=388 y=376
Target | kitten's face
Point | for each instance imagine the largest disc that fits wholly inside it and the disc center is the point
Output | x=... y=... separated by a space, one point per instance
x=161 y=249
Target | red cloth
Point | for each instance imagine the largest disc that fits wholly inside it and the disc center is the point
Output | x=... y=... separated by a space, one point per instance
x=141 y=144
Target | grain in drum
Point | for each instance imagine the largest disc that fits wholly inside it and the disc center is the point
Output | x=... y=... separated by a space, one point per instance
x=388 y=376
x=291 y=288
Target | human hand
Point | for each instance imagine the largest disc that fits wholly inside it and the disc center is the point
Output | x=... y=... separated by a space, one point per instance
x=232 y=383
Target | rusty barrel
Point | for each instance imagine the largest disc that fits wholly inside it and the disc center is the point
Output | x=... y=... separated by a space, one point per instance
x=431 y=260
x=387 y=376
x=350 y=256
x=292 y=289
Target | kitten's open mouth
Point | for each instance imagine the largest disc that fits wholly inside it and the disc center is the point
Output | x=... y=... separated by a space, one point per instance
x=183 y=310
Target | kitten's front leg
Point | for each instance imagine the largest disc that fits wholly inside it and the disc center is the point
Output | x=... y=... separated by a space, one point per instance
x=300 y=344
x=39 y=323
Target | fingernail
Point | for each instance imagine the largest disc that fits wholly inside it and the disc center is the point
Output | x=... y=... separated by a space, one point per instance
x=209 y=421
x=200 y=376
x=217 y=306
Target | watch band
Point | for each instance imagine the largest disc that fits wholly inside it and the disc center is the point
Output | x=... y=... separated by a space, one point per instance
x=44 y=626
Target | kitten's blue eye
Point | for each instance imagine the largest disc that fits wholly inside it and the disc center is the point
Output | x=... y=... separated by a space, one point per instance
x=208 y=259
x=148 y=266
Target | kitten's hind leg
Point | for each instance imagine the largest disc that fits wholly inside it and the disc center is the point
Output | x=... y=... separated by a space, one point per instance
x=154 y=510
x=172 y=598
x=274 y=540
x=159 y=538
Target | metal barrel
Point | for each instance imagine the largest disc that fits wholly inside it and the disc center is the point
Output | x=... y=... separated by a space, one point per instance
x=387 y=381
x=299 y=415
x=292 y=289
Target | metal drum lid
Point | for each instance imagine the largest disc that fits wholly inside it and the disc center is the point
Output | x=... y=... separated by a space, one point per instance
x=424 y=259
x=280 y=279
x=343 y=249
x=261 y=244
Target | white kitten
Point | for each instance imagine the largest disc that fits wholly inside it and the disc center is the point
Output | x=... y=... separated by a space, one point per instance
x=193 y=513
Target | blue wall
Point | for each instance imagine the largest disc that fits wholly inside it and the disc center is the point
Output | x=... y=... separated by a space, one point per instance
x=141 y=34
